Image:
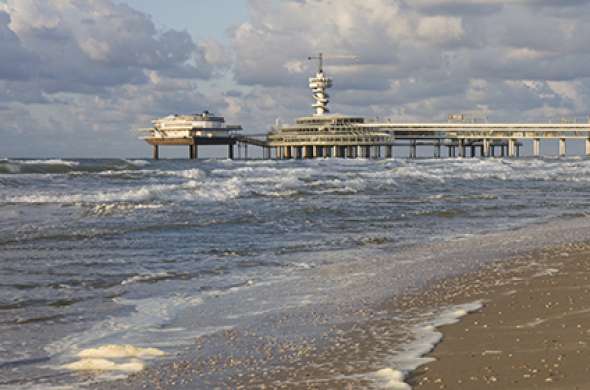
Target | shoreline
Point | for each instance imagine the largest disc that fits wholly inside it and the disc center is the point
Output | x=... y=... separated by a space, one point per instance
x=532 y=332
x=352 y=353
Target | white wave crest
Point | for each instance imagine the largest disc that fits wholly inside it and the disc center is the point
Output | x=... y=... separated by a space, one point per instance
x=145 y=278
x=46 y=162
x=209 y=190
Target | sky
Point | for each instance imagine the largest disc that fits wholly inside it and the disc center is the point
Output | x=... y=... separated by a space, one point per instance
x=78 y=76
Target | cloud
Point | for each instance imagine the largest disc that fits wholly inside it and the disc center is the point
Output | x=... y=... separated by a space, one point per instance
x=423 y=58
x=85 y=46
x=17 y=62
x=94 y=67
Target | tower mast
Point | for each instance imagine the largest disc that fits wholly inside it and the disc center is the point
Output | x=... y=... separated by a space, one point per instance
x=319 y=85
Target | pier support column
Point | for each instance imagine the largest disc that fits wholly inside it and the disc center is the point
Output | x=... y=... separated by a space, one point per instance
x=588 y=147
x=304 y=152
x=230 y=151
x=350 y=152
x=191 y=152
x=300 y=152
x=485 y=149
x=562 y=147
x=367 y=150
x=493 y=150
x=335 y=151
x=473 y=151
x=511 y=148
x=155 y=152
x=437 y=149
x=315 y=151
x=450 y=150
x=462 y=148
x=388 y=151
x=413 y=149
x=342 y=151
x=537 y=147
x=376 y=152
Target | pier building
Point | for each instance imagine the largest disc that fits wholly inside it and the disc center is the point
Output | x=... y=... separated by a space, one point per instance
x=327 y=135
x=191 y=131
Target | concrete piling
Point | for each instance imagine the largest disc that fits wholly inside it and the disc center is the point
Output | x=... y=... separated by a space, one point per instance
x=562 y=147
x=536 y=147
x=413 y=149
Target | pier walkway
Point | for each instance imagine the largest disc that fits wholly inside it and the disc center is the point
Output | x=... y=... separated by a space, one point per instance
x=378 y=139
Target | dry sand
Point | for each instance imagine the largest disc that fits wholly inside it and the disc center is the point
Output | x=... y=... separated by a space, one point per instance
x=533 y=332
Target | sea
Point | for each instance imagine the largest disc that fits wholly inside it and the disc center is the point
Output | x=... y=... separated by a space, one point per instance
x=109 y=267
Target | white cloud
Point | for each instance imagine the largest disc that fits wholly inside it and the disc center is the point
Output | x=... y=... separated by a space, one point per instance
x=437 y=56
x=93 y=67
x=98 y=67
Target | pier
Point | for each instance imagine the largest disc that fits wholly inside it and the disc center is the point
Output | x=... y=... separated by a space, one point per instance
x=326 y=135
x=379 y=140
x=192 y=143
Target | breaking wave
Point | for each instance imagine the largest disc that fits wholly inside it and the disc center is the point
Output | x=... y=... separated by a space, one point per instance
x=187 y=191
x=58 y=166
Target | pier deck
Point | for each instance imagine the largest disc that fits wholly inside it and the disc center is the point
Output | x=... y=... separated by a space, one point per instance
x=376 y=140
x=368 y=139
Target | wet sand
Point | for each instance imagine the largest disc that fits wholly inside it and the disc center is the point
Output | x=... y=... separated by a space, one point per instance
x=532 y=333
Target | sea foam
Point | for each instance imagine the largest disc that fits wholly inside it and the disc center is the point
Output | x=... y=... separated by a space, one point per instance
x=114 y=357
x=105 y=365
x=426 y=338
x=112 y=351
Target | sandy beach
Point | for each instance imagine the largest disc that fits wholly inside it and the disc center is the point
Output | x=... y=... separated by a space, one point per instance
x=532 y=333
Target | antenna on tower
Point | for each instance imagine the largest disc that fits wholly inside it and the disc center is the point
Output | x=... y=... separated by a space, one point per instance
x=320 y=58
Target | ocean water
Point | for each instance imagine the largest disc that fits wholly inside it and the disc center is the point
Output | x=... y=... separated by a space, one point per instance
x=123 y=263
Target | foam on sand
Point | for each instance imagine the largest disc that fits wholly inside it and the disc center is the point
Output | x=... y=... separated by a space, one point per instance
x=113 y=357
x=105 y=365
x=388 y=378
x=426 y=339
x=113 y=351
